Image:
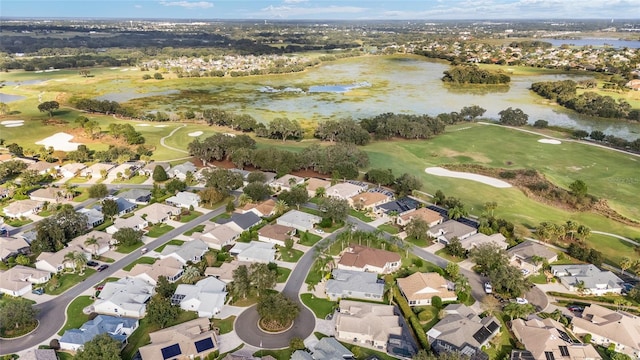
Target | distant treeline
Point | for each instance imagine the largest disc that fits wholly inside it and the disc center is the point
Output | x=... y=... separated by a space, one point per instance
x=588 y=103
x=65 y=62
x=530 y=44
x=472 y=74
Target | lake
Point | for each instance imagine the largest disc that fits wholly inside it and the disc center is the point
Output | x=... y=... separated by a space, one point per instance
x=7 y=98
x=595 y=42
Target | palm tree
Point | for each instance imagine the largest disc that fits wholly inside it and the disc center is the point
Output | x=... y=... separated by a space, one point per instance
x=581 y=287
x=190 y=275
x=490 y=206
x=80 y=260
x=625 y=263
x=280 y=207
x=93 y=241
x=583 y=232
x=570 y=227
x=244 y=199
x=69 y=257
x=456 y=212
x=321 y=192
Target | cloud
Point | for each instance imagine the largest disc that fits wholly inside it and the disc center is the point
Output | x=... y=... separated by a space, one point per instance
x=137 y=6
x=188 y=4
x=300 y=12
x=294 y=1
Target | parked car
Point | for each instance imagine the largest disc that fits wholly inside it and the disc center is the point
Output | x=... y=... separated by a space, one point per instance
x=92 y=263
x=102 y=267
x=488 y=288
x=38 y=291
x=522 y=301
x=575 y=308
x=525 y=272
x=320 y=231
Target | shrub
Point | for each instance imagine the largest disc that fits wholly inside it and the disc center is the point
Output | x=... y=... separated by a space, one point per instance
x=54 y=344
x=507 y=174
x=587 y=338
x=436 y=301
x=424 y=316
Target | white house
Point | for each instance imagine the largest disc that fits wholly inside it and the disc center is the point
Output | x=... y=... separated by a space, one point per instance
x=95 y=170
x=94 y=217
x=103 y=242
x=118 y=328
x=254 y=251
x=184 y=199
x=72 y=169
x=17 y=281
x=169 y=267
x=217 y=236
x=56 y=262
x=158 y=213
x=180 y=171
x=298 y=220
x=206 y=297
x=345 y=191
x=286 y=182
x=135 y=222
x=125 y=297
x=192 y=251
x=594 y=280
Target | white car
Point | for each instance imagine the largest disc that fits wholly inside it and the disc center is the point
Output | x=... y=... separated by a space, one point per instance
x=525 y=272
x=488 y=288
x=320 y=231
x=522 y=301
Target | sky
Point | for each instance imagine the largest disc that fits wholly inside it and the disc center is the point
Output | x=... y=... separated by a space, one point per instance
x=324 y=9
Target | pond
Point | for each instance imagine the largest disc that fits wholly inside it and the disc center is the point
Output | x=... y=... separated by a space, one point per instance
x=7 y=98
x=131 y=94
x=595 y=42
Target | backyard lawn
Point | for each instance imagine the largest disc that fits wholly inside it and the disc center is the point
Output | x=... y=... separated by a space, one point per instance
x=389 y=229
x=225 y=325
x=158 y=230
x=292 y=255
x=75 y=316
x=59 y=284
x=170 y=242
x=192 y=215
x=283 y=274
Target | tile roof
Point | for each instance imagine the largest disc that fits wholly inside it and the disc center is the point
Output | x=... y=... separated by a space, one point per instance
x=361 y=256
x=369 y=198
x=276 y=231
x=425 y=214
x=422 y=286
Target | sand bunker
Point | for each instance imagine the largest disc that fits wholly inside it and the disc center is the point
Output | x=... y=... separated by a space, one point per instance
x=438 y=171
x=195 y=133
x=143 y=125
x=550 y=141
x=12 y=123
x=161 y=126
x=60 y=141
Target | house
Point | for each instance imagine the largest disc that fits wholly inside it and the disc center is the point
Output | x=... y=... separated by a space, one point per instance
x=449 y=229
x=148 y=169
x=190 y=251
x=276 y=234
x=462 y=331
x=594 y=280
x=135 y=222
x=126 y=171
x=397 y=207
x=95 y=171
x=263 y=209
x=314 y=184
x=344 y=191
x=225 y=271
x=362 y=258
x=169 y=267
x=217 y=236
x=286 y=182
x=125 y=297
x=419 y=288
x=71 y=169
x=23 y=208
x=327 y=348
x=180 y=171
x=368 y=200
x=298 y=220
x=429 y=216
x=48 y=194
x=136 y=196
x=478 y=239
x=243 y=173
x=118 y=328
x=56 y=262
x=39 y=354
x=17 y=281
x=241 y=222
x=95 y=217
x=184 y=341
x=206 y=297
x=102 y=245
x=184 y=199
x=124 y=206
x=254 y=251
x=610 y=327
x=354 y=285
x=158 y=213
x=367 y=323
x=530 y=256
x=43 y=167
x=547 y=340
x=12 y=247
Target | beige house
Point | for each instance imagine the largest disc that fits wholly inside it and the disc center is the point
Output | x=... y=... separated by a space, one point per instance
x=217 y=236
x=314 y=184
x=368 y=200
x=286 y=182
x=24 y=208
x=95 y=171
x=263 y=209
x=528 y=254
x=185 y=341
x=48 y=194
x=431 y=217
x=56 y=262
x=419 y=288
x=275 y=233
x=225 y=271
x=366 y=323
x=104 y=242
x=168 y=267
x=345 y=190
x=547 y=339
x=610 y=327
x=17 y=280
x=135 y=222
x=43 y=167
x=158 y=213
x=71 y=169
x=10 y=246
x=362 y=258
x=480 y=239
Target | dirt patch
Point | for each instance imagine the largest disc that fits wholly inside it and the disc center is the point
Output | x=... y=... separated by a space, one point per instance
x=450 y=153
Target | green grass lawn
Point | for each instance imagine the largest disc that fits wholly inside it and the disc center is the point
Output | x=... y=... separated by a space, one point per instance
x=418 y=243
x=192 y=215
x=17 y=222
x=292 y=255
x=64 y=355
x=283 y=274
x=128 y=249
x=171 y=242
x=320 y=307
x=389 y=229
x=84 y=195
x=538 y=278
x=158 y=230
x=311 y=239
x=75 y=316
x=283 y=354
x=138 y=179
x=142 y=260
x=612 y=249
x=67 y=281
x=443 y=254
x=221 y=216
x=502 y=344
x=225 y=325
x=77 y=180
x=104 y=225
x=140 y=336
x=365 y=353
x=360 y=215
x=198 y=228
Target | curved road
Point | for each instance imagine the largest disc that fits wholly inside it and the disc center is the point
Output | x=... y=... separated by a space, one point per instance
x=52 y=314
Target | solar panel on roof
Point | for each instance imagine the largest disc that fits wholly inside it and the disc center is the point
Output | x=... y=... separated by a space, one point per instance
x=177 y=298
x=549 y=355
x=492 y=326
x=171 y=351
x=482 y=335
x=204 y=345
x=564 y=351
x=564 y=336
